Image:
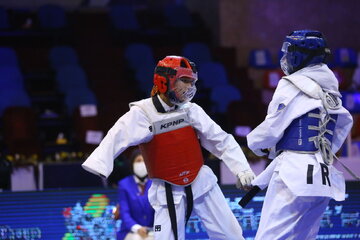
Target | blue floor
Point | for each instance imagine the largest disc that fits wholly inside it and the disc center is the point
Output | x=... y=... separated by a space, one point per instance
x=87 y=214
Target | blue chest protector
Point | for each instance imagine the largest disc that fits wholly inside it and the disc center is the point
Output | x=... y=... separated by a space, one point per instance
x=308 y=133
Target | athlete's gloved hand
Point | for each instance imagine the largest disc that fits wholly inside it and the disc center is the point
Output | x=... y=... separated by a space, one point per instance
x=244 y=179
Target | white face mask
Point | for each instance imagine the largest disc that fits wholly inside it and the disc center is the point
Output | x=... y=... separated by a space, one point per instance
x=284 y=65
x=140 y=169
x=182 y=92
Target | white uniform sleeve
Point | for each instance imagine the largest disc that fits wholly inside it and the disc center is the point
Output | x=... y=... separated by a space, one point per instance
x=289 y=103
x=270 y=131
x=342 y=128
x=130 y=130
x=217 y=141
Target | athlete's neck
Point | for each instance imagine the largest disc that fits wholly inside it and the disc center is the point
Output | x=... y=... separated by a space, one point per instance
x=166 y=99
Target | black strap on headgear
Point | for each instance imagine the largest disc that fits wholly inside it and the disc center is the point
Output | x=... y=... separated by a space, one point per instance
x=311 y=53
x=165 y=70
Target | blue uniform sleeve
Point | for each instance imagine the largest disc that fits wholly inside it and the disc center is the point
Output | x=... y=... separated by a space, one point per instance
x=125 y=206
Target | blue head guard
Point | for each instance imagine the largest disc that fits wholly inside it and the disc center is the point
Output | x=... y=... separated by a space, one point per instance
x=303 y=48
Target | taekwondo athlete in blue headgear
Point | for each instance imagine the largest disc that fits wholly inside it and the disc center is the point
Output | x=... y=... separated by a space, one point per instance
x=304 y=127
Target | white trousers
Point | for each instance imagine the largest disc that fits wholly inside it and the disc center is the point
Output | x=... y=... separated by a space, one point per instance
x=213 y=210
x=285 y=216
x=136 y=236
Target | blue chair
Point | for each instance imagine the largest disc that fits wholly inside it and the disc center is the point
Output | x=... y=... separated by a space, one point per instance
x=212 y=74
x=272 y=78
x=356 y=79
x=351 y=101
x=178 y=16
x=71 y=78
x=8 y=57
x=13 y=98
x=260 y=58
x=344 y=58
x=4 y=21
x=61 y=56
x=75 y=98
x=123 y=17
x=221 y=96
x=52 y=16
x=11 y=78
x=197 y=52
x=139 y=54
x=144 y=76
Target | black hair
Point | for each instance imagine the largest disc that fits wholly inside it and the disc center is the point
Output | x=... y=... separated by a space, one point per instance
x=136 y=152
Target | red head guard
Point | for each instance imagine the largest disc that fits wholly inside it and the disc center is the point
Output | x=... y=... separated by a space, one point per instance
x=171 y=68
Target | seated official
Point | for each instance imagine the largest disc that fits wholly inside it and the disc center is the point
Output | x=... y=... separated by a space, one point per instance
x=136 y=213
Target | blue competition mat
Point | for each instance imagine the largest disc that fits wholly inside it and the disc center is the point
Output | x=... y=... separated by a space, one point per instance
x=87 y=214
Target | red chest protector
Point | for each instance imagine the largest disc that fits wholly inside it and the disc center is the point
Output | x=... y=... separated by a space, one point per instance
x=174 y=155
